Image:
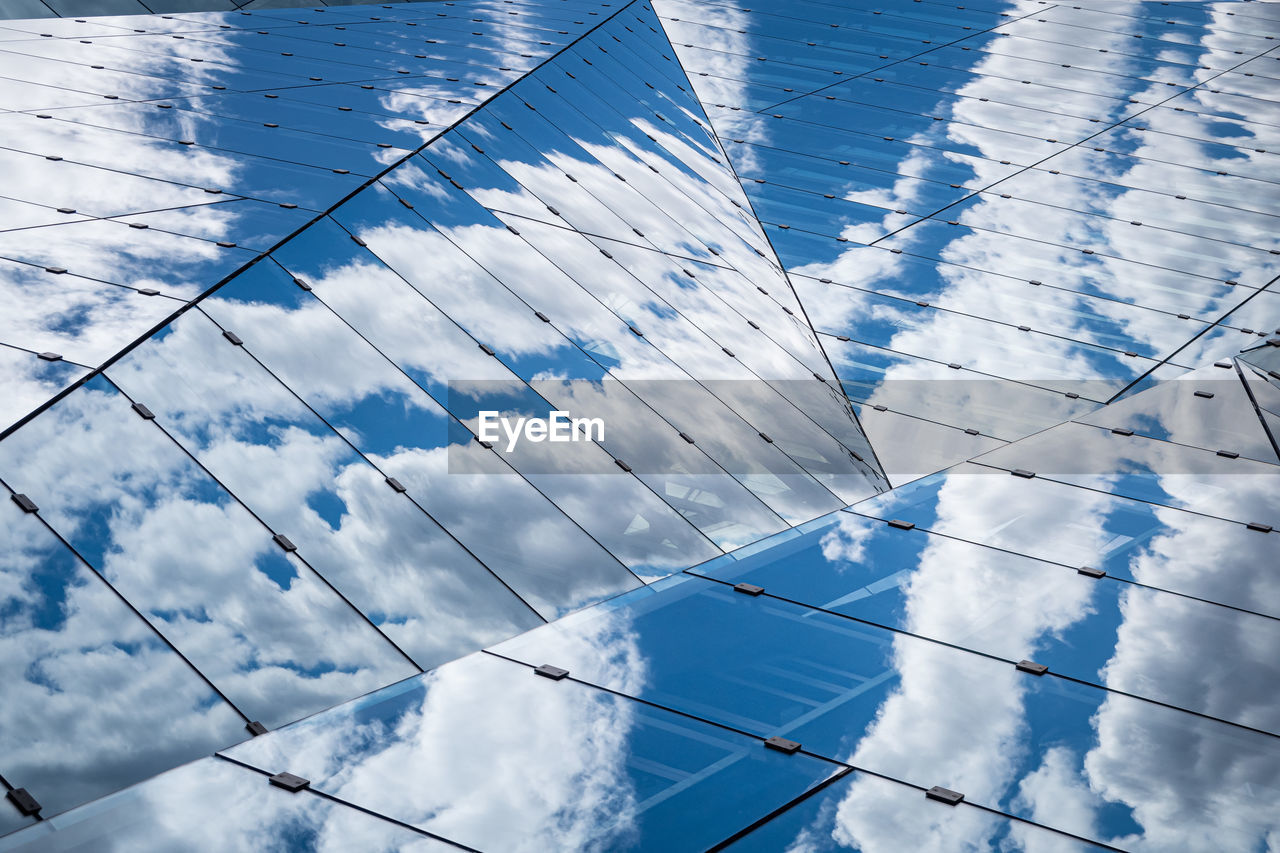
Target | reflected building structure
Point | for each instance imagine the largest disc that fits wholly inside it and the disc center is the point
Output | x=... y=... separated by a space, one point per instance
x=938 y=349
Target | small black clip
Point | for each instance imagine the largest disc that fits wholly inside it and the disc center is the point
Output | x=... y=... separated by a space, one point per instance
x=292 y=784
x=145 y=413
x=555 y=673
x=255 y=728
x=283 y=542
x=396 y=484
x=234 y=338
x=1090 y=571
x=26 y=803
x=25 y=502
x=748 y=589
x=781 y=744
x=901 y=525
x=1023 y=473
x=1032 y=667
x=944 y=795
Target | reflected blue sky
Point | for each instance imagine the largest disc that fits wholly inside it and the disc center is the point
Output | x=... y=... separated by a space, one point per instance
x=797 y=253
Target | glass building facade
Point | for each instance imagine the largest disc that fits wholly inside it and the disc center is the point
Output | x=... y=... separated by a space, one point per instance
x=935 y=350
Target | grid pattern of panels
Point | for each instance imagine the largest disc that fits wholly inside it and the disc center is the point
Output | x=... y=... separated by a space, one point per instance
x=992 y=657
x=282 y=486
x=1091 y=194
x=149 y=158
x=27 y=9
x=290 y=505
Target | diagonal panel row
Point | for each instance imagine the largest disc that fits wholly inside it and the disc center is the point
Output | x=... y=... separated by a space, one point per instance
x=1089 y=194
x=285 y=486
x=152 y=157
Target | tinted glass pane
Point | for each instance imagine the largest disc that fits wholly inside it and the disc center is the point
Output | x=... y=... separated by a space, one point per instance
x=894 y=703
x=1016 y=608
x=610 y=772
x=1156 y=471
x=866 y=813
x=215 y=803
x=259 y=624
x=375 y=546
x=404 y=432
x=96 y=699
x=1184 y=552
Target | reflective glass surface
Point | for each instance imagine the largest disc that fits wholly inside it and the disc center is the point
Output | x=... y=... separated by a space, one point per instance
x=486 y=753
x=1012 y=607
x=792 y=254
x=1173 y=475
x=385 y=556
x=909 y=447
x=30 y=380
x=893 y=704
x=215 y=804
x=861 y=812
x=405 y=433
x=1158 y=546
x=259 y=624
x=1207 y=408
x=79 y=668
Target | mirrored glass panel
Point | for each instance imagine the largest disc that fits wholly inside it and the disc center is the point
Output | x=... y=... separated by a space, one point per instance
x=1015 y=608
x=641 y=531
x=892 y=703
x=258 y=623
x=870 y=814
x=378 y=549
x=216 y=803
x=1214 y=483
x=30 y=380
x=610 y=772
x=406 y=434
x=95 y=699
x=1207 y=408
x=1171 y=549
